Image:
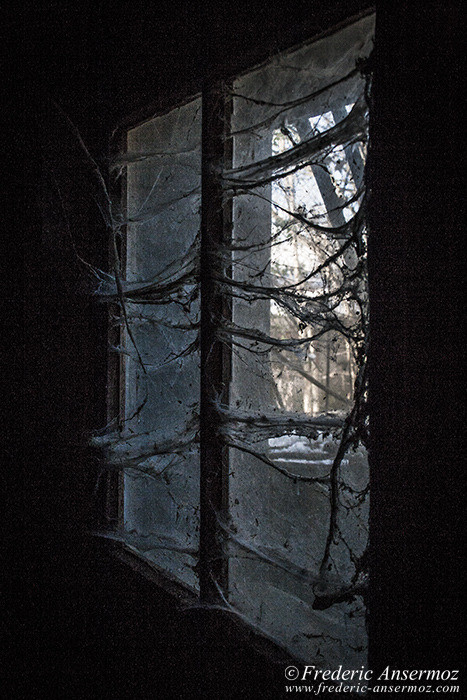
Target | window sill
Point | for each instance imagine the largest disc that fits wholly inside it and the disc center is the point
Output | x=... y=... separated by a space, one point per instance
x=237 y=631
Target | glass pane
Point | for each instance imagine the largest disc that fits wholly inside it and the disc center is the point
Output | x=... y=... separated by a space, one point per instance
x=158 y=442
x=297 y=529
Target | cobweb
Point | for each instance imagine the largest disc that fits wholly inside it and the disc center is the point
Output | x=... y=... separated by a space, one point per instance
x=292 y=414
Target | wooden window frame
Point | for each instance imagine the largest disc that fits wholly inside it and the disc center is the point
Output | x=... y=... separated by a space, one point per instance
x=215 y=358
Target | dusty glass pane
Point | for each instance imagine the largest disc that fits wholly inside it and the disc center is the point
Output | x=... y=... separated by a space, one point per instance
x=298 y=476
x=160 y=346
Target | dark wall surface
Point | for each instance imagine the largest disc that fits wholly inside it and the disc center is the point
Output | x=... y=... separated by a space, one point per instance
x=82 y=620
x=416 y=312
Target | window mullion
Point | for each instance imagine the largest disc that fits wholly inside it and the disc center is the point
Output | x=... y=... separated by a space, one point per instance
x=214 y=356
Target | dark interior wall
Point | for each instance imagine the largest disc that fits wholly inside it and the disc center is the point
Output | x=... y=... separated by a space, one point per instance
x=416 y=271
x=85 y=618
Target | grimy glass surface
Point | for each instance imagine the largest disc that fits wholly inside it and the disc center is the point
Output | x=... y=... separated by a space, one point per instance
x=298 y=333
x=161 y=492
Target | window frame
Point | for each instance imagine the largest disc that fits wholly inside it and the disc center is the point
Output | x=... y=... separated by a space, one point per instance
x=216 y=224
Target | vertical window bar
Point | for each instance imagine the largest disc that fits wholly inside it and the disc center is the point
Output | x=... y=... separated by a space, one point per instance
x=214 y=356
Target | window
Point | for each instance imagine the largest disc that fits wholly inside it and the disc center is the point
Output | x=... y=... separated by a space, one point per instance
x=239 y=314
